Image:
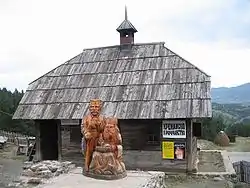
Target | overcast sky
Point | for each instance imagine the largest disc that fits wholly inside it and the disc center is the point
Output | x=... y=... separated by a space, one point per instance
x=38 y=35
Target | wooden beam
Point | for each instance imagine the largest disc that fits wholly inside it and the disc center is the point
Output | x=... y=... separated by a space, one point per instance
x=38 y=155
x=59 y=140
x=189 y=145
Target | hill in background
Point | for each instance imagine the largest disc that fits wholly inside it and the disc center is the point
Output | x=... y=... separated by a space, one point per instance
x=232 y=103
x=232 y=95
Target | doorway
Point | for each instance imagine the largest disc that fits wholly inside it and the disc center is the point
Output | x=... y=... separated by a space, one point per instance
x=49 y=139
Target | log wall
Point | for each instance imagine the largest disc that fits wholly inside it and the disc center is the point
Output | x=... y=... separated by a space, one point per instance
x=71 y=141
x=139 y=152
x=135 y=134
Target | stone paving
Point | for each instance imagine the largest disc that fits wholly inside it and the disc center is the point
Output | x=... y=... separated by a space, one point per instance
x=75 y=179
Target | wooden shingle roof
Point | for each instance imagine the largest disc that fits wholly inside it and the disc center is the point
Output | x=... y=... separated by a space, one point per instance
x=147 y=82
x=126 y=25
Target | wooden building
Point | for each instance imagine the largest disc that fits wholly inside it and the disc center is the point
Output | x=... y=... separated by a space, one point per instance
x=156 y=94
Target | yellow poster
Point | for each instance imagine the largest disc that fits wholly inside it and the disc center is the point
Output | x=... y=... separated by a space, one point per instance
x=167 y=150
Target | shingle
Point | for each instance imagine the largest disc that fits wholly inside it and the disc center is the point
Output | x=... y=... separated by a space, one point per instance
x=149 y=81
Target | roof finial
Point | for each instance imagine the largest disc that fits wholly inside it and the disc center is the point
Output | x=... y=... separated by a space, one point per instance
x=126 y=14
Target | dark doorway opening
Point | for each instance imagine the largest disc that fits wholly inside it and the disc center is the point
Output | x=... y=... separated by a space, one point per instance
x=49 y=139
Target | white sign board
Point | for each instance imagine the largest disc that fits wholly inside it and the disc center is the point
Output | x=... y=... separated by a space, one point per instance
x=173 y=129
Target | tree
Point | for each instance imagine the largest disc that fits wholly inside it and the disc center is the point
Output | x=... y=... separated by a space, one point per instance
x=8 y=104
x=212 y=126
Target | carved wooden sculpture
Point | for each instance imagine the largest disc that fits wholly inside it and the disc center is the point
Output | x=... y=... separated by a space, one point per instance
x=91 y=129
x=107 y=160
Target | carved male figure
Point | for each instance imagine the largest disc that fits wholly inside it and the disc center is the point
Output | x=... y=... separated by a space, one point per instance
x=91 y=128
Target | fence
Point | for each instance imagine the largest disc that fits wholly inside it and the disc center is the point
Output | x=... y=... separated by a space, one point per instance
x=12 y=136
x=242 y=169
x=22 y=141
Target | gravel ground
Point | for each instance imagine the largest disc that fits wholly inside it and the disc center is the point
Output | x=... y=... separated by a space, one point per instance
x=184 y=181
x=10 y=170
x=10 y=166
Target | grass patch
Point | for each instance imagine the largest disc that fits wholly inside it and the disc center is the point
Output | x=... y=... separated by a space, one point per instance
x=242 y=144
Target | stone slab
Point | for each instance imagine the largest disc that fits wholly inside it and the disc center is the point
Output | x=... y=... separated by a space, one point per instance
x=134 y=179
x=229 y=170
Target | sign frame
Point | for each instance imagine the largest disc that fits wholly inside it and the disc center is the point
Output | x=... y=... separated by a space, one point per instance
x=173 y=123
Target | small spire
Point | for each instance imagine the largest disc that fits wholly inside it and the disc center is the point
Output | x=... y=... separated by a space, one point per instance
x=126 y=14
x=126 y=24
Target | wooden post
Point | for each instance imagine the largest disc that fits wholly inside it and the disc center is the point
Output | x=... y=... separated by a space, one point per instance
x=38 y=155
x=189 y=145
x=59 y=140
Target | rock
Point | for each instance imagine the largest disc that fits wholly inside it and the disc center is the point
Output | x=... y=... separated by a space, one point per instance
x=66 y=163
x=42 y=168
x=229 y=185
x=72 y=166
x=53 y=168
x=45 y=174
x=28 y=172
x=34 y=167
x=34 y=181
x=14 y=185
x=27 y=164
x=59 y=171
x=156 y=181
x=35 y=173
x=218 y=178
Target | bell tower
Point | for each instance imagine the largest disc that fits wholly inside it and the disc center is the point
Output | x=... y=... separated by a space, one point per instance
x=126 y=30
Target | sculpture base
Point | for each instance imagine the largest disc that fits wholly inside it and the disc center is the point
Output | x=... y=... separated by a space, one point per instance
x=104 y=176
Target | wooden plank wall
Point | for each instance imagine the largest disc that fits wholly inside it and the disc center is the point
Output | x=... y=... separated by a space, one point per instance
x=71 y=140
x=138 y=154
x=65 y=134
x=133 y=134
x=38 y=155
